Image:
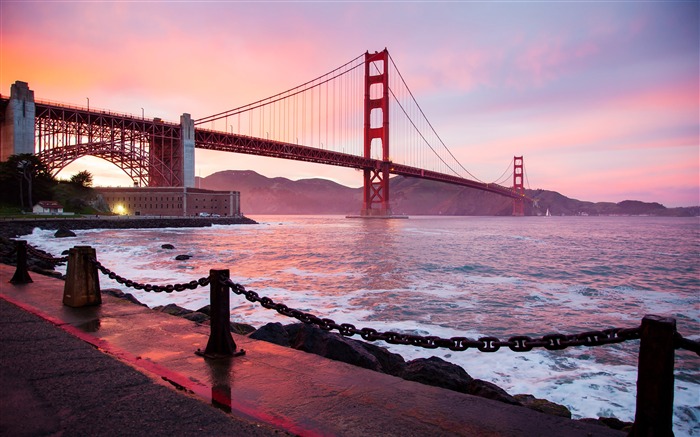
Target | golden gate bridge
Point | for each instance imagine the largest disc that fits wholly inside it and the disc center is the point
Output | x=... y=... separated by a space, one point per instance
x=348 y=117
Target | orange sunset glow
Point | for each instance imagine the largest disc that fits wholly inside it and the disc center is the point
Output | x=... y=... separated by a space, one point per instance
x=601 y=98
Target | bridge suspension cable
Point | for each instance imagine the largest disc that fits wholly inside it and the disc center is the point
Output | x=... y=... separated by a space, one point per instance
x=324 y=113
x=284 y=94
x=527 y=181
x=506 y=176
x=418 y=111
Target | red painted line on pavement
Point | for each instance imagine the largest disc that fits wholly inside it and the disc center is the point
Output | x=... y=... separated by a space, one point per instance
x=176 y=379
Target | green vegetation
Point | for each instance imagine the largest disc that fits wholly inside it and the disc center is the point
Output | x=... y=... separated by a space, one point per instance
x=25 y=180
x=82 y=178
x=78 y=198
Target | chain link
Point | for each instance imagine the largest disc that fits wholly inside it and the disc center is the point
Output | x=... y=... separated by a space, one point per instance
x=518 y=343
x=687 y=344
x=201 y=282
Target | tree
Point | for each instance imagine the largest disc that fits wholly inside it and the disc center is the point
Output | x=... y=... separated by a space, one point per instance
x=83 y=178
x=24 y=173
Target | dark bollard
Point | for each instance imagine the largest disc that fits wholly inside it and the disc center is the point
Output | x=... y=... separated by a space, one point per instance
x=220 y=344
x=654 y=415
x=21 y=275
x=82 y=281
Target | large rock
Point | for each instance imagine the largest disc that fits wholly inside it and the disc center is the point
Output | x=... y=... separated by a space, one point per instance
x=63 y=233
x=309 y=338
x=242 y=328
x=172 y=309
x=195 y=317
x=183 y=257
x=205 y=309
x=490 y=390
x=440 y=373
x=610 y=422
x=544 y=406
x=437 y=372
x=317 y=341
x=121 y=295
x=272 y=333
x=167 y=246
x=391 y=363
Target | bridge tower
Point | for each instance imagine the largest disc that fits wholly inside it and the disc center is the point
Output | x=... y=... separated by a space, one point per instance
x=375 y=201
x=18 y=124
x=518 y=186
x=171 y=154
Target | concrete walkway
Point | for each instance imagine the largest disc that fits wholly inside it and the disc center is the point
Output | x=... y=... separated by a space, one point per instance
x=141 y=376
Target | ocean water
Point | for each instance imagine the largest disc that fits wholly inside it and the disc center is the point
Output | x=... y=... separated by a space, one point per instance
x=452 y=276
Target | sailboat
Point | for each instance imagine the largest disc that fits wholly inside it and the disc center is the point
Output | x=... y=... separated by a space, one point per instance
x=547 y=214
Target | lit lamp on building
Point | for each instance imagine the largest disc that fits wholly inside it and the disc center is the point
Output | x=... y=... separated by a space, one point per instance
x=119 y=209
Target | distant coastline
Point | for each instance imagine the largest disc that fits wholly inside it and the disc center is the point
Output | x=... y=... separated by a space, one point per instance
x=412 y=196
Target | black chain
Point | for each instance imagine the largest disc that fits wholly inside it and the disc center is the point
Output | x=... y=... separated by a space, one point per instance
x=41 y=255
x=519 y=343
x=201 y=282
x=687 y=344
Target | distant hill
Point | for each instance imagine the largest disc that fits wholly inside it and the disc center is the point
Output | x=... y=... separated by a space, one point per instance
x=262 y=195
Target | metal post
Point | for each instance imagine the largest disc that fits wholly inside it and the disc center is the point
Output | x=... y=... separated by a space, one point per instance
x=82 y=286
x=654 y=415
x=21 y=275
x=220 y=344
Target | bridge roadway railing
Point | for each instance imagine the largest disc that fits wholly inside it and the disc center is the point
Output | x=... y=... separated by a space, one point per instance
x=658 y=335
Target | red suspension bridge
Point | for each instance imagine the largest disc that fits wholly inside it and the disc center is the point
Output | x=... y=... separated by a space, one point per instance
x=341 y=118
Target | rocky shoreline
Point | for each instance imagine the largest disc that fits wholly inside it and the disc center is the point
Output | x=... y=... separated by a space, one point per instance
x=13 y=228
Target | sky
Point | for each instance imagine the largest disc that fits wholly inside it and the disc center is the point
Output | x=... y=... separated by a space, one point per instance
x=601 y=98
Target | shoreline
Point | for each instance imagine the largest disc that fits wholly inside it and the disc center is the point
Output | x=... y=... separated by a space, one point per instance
x=13 y=228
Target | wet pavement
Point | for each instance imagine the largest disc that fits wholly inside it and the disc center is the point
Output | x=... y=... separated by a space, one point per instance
x=120 y=368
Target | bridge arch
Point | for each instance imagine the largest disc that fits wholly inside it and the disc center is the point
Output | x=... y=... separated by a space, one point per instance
x=133 y=163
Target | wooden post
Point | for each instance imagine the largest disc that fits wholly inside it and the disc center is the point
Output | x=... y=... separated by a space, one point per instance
x=21 y=275
x=82 y=280
x=221 y=343
x=654 y=415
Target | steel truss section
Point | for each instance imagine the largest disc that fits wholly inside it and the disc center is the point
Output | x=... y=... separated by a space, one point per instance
x=64 y=134
x=226 y=142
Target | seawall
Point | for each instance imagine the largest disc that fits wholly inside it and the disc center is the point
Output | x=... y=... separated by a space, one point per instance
x=12 y=228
